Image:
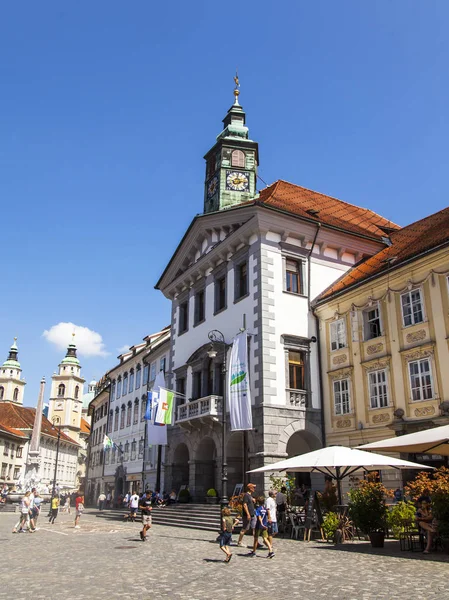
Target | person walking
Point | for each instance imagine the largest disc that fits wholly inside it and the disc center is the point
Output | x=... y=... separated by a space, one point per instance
x=108 y=500
x=133 y=506
x=248 y=514
x=54 y=509
x=4 y=493
x=101 y=500
x=24 y=514
x=67 y=504
x=227 y=525
x=35 y=511
x=270 y=505
x=146 y=508
x=261 y=527
x=79 y=506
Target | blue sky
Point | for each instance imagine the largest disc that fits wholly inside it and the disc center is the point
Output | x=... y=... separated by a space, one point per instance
x=107 y=108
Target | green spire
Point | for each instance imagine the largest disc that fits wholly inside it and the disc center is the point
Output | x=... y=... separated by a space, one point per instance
x=12 y=361
x=70 y=357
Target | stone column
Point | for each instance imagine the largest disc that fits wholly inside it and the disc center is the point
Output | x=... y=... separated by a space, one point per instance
x=32 y=477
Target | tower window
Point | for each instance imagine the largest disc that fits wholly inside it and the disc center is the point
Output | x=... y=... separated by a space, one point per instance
x=2 y=392
x=241 y=280
x=238 y=158
x=61 y=389
x=16 y=394
x=77 y=392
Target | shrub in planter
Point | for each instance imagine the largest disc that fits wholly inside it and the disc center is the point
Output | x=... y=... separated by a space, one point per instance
x=368 y=509
x=401 y=517
x=211 y=496
x=330 y=525
x=184 y=496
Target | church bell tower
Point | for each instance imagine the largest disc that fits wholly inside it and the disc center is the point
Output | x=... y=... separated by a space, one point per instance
x=231 y=165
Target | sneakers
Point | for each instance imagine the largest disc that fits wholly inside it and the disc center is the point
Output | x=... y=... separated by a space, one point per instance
x=270 y=555
x=241 y=545
x=252 y=554
x=77 y=527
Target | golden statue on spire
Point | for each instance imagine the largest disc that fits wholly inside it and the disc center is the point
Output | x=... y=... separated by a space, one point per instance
x=237 y=85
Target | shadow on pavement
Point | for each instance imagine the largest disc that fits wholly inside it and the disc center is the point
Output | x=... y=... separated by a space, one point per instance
x=391 y=549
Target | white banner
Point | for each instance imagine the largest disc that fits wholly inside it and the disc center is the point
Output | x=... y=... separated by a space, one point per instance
x=156 y=434
x=239 y=396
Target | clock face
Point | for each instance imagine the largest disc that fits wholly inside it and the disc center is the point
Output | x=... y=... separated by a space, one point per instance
x=212 y=186
x=237 y=181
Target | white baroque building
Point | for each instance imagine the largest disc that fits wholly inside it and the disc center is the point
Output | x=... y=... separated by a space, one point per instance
x=253 y=259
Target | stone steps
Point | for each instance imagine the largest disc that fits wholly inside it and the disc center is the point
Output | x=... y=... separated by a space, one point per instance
x=8 y=508
x=190 y=516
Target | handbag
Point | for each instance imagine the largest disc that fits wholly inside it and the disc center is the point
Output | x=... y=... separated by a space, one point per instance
x=80 y=508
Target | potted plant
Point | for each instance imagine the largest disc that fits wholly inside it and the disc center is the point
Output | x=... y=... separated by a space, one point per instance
x=330 y=525
x=184 y=496
x=368 y=509
x=401 y=518
x=211 y=496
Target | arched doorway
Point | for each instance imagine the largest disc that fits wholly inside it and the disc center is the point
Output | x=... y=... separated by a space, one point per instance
x=302 y=442
x=180 y=468
x=205 y=464
x=234 y=451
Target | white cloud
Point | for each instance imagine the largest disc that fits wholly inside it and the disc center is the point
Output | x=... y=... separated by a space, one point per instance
x=123 y=349
x=88 y=342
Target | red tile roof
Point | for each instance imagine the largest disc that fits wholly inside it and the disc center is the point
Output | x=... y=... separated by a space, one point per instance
x=409 y=242
x=20 y=417
x=12 y=431
x=333 y=212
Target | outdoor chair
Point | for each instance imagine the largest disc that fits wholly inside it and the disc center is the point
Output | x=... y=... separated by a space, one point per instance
x=296 y=526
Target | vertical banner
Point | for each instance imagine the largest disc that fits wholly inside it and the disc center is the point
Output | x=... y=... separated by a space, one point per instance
x=239 y=396
x=156 y=432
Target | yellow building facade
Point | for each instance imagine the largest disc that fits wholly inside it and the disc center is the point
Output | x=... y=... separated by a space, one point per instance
x=384 y=339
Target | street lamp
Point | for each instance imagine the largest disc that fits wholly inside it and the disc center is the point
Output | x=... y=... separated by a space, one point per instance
x=216 y=337
x=56 y=420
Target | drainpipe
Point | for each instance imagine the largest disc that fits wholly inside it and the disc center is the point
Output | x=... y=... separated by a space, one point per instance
x=317 y=325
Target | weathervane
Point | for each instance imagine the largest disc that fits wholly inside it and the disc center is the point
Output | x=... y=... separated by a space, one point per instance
x=236 y=89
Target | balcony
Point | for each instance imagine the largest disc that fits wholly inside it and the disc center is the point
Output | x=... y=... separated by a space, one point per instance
x=298 y=398
x=203 y=410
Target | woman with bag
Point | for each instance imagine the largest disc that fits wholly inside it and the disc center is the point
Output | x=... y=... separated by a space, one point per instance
x=79 y=505
x=24 y=514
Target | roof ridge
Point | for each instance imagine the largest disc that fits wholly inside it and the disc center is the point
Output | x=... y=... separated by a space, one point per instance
x=339 y=200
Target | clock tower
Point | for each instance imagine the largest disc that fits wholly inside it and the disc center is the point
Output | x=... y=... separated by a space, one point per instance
x=231 y=165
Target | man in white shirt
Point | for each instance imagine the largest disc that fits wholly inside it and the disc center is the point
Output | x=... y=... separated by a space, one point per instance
x=270 y=505
x=133 y=505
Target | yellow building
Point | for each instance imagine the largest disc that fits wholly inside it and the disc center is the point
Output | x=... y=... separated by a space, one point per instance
x=384 y=338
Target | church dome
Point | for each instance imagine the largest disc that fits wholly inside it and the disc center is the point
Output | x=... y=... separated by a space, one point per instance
x=11 y=362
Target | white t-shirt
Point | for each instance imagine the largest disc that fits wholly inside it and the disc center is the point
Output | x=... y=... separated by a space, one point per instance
x=134 y=501
x=270 y=505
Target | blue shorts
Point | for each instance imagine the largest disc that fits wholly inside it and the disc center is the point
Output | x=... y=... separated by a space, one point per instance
x=273 y=528
x=225 y=538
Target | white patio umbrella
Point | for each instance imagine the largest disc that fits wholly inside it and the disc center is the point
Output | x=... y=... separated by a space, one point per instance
x=339 y=462
x=429 y=441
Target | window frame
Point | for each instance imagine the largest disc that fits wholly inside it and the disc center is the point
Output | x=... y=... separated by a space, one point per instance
x=413 y=321
x=367 y=322
x=138 y=377
x=131 y=381
x=378 y=400
x=334 y=333
x=301 y=366
x=240 y=293
x=420 y=375
x=342 y=402
x=199 y=315
x=238 y=162
x=183 y=316
x=220 y=294
x=299 y=275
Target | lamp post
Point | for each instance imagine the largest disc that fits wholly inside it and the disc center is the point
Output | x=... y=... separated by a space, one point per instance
x=217 y=338
x=56 y=420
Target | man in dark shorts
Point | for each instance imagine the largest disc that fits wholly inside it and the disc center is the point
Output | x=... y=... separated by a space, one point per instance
x=248 y=514
x=146 y=508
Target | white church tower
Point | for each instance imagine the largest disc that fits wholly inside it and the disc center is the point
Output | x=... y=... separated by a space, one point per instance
x=66 y=396
x=12 y=386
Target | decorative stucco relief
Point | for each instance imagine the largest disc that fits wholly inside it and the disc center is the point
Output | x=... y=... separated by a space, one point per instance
x=341 y=374
x=342 y=423
x=382 y=418
x=416 y=337
x=375 y=348
x=418 y=353
x=338 y=360
x=425 y=411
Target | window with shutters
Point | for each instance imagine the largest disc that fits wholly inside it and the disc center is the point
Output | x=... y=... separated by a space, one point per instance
x=238 y=158
x=342 y=405
x=412 y=307
x=338 y=334
x=378 y=389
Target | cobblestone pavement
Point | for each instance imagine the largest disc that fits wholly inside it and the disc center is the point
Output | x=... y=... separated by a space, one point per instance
x=105 y=559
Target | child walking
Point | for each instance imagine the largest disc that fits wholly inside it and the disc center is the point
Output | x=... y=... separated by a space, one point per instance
x=54 y=509
x=227 y=525
x=262 y=527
